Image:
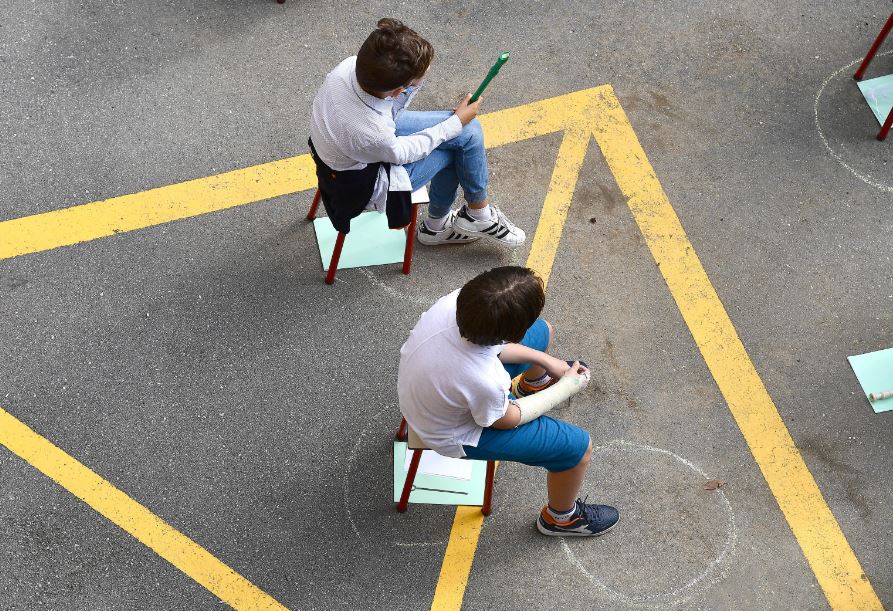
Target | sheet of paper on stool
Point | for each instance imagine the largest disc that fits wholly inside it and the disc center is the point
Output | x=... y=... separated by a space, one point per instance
x=370 y=242
x=420 y=196
x=438 y=490
x=433 y=463
x=875 y=374
x=878 y=93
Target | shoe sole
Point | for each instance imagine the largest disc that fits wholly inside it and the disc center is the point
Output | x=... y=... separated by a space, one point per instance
x=550 y=533
x=491 y=238
x=448 y=242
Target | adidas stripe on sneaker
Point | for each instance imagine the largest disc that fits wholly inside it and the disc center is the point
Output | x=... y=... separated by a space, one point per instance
x=447 y=235
x=497 y=228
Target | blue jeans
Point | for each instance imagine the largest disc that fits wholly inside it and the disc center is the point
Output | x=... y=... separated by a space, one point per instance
x=460 y=161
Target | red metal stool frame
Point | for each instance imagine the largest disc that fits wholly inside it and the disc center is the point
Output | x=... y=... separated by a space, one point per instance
x=402 y=435
x=339 y=241
x=885 y=129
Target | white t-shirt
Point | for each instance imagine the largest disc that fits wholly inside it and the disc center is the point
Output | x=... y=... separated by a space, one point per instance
x=351 y=129
x=449 y=388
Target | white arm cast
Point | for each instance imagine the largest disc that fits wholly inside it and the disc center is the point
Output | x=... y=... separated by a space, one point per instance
x=534 y=406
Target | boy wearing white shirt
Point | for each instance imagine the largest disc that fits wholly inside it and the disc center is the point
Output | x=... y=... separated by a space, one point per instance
x=475 y=381
x=371 y=152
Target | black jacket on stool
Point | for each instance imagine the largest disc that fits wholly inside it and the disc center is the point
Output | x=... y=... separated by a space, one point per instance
x=346 y=194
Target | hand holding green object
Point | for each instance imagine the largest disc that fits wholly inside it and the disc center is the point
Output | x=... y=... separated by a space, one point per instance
x=503 y=57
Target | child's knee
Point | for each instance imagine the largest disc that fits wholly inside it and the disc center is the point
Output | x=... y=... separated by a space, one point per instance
x=551 y=334
x=473 y=133
x=587 y=456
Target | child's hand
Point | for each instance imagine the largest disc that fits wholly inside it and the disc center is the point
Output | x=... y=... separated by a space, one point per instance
x=555 y=367
x=577 y=371
x=465 y=111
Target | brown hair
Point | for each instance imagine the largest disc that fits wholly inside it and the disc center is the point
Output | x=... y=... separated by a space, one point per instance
x=392 y=56
x=499 y=305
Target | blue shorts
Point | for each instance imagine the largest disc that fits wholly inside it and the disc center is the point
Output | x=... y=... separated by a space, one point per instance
x=544 y=442
x=537 y=337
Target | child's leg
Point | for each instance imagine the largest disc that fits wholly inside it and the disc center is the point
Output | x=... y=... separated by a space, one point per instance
x=563 y=449
x=468 y=168
x=535 y=372
x=460 y=161
x=564 y=486
x=539 y=337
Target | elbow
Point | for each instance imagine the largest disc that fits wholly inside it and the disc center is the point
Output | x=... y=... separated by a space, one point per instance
x=510 y=420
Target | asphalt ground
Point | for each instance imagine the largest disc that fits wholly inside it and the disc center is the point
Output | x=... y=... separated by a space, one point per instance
x=204 y=368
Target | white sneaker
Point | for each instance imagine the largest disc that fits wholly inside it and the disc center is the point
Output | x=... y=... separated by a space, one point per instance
x=447 y=235
x=498 y=228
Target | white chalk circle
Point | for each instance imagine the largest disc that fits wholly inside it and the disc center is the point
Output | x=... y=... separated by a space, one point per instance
x=674 y=538
x=841 y=142
x=367 y=493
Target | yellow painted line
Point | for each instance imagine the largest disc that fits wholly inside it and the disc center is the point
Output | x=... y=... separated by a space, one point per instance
x=191 y=558
x=459 y=555
x=86 y=222
x=457 y=559
x=558 y=202
x=823 y=543
x=595 y=111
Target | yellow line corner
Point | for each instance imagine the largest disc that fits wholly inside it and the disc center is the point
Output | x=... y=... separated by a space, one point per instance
x=824 y=545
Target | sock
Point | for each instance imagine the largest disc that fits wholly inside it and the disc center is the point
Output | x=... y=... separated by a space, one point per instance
x=561 y=516
x=481 y=214
x=540 y=381
x=436 y=223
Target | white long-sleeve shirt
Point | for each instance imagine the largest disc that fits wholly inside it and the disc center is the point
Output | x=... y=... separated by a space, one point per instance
x=351 y=129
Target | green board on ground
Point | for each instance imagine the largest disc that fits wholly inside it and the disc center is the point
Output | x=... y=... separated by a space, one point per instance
x=369 y=242
x=878 y=93
x=437 y=489
x=875 y=373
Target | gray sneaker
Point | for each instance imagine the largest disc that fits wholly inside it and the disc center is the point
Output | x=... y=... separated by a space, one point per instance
x=498 y=228
x=447 y=235
x=587 y=521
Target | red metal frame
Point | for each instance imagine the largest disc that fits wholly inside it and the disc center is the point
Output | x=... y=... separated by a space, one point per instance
x=885 y=31
x=336 y=254
x=402 y=434
x=339 y=242
x=488 y=487
x=312 y=214
x=874 y=48
x=410 y=240
x=885 y=128
x=410 y=478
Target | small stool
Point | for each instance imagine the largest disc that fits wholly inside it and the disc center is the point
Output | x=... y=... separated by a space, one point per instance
x=339 y=241
x=885 y=129
x=414 y=443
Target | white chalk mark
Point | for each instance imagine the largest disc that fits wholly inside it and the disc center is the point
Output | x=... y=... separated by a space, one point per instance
x=863 y=177
x=391 y=290
x=346 y=486
x=715 y=571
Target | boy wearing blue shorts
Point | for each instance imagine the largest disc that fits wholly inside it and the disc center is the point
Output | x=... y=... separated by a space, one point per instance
x=475 y=381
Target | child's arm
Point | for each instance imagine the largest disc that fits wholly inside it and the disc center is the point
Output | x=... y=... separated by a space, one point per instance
x=511 y=419
x=529 y=408
x=516 y=353
x=400 y=150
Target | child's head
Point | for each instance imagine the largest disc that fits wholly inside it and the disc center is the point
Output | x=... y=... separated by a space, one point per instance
x=499 y=305
x=392 y=57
